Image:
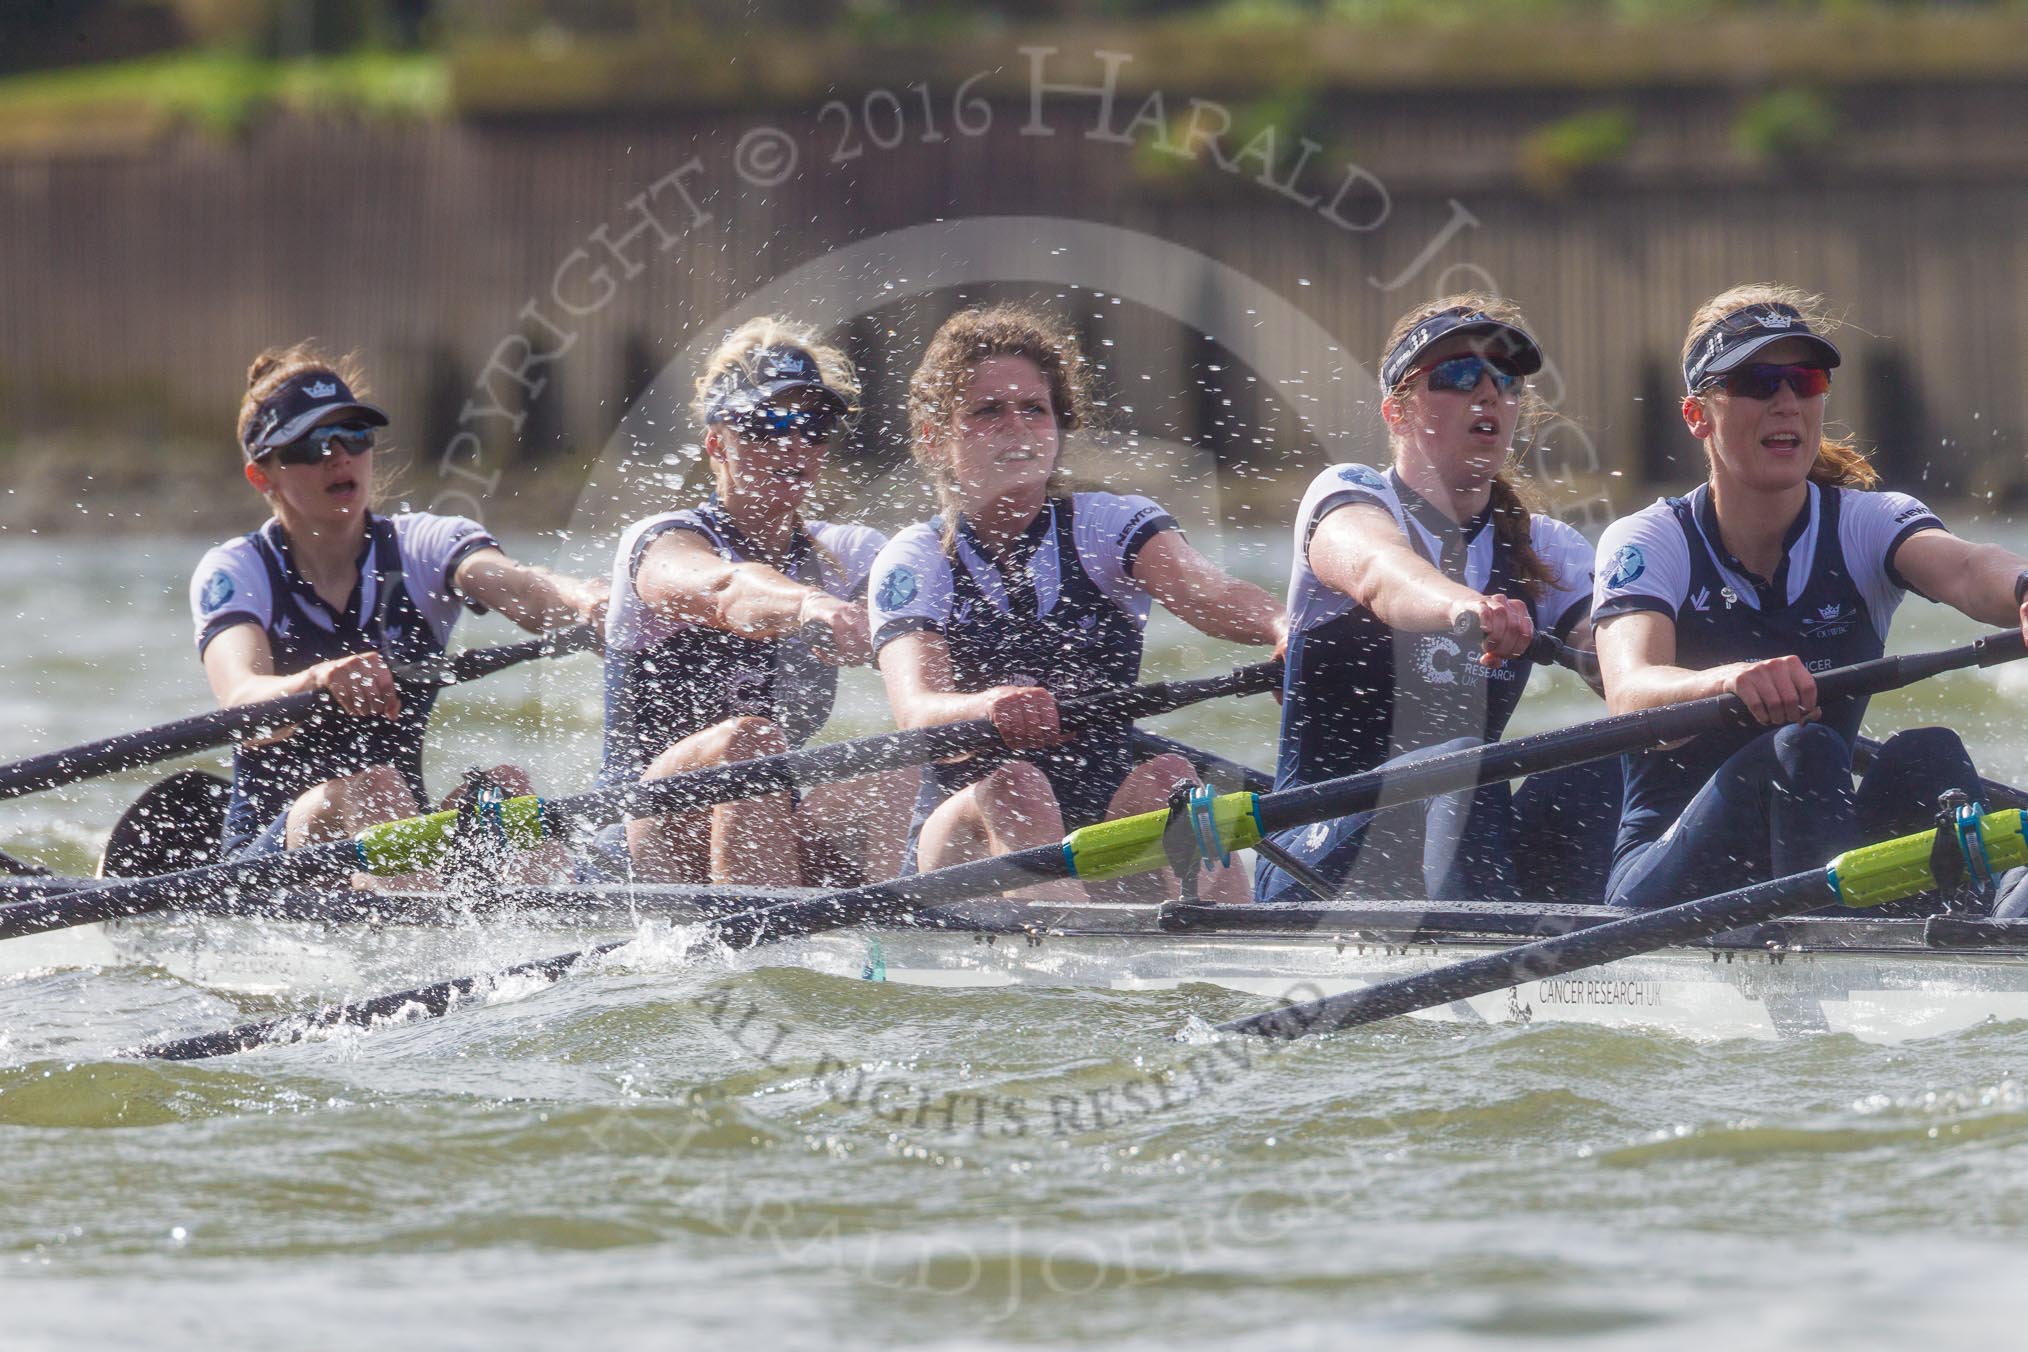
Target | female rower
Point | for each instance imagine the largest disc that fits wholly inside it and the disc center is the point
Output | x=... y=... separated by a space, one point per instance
x=1782 y=564
x=1386 y=567
x=729 y=620
x=1023 y=593
x=326 y=596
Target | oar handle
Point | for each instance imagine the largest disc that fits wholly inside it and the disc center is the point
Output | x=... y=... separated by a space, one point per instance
x=1544 y=650
x=473 y=663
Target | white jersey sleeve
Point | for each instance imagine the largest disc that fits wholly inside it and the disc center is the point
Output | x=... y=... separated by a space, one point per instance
x=1566 y=600
x=1643 y=563
x=909 y=589
x=432 y=547
x=854 y=548
x=1871 y=528
x=1340 y=486
x=1110 y=530
x=630 y=625
x=1311 y=603
x=230 y=587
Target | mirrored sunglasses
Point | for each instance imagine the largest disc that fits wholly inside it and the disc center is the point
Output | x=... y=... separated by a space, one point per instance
x=1461 y=374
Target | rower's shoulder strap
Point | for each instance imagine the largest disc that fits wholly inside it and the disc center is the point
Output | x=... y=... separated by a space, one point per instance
x=386 y=562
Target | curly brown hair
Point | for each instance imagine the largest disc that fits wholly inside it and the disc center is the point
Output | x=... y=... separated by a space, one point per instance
x=936 y=390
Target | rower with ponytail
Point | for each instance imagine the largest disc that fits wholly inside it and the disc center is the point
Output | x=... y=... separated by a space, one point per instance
x=1785 y=562
x=1390 y=564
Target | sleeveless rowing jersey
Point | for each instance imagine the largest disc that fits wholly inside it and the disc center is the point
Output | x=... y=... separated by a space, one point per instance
x=1357 y=694
x=667 y=678
x=1058 y=607
x=403 y=608
x=1829 y=603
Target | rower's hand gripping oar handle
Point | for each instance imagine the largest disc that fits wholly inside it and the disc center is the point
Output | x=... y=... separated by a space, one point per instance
x=1545 y=649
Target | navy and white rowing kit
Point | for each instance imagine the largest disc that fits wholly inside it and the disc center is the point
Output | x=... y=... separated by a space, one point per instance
x=1058 y=607
x=403 y=607
x=667 y=678
x=1829 y=603
x=1356 y=693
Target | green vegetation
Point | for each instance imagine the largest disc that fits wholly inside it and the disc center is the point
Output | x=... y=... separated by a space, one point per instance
x=438 y=57
x=1785 y=124
x=1552 y=155
x=219 y=91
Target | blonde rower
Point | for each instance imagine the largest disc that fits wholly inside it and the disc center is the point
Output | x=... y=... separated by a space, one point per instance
x=729 y=620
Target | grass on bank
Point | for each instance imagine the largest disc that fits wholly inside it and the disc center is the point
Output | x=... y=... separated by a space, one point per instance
x=219 y=91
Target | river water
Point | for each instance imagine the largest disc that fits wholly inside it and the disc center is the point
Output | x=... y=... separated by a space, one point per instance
x=619 y=1161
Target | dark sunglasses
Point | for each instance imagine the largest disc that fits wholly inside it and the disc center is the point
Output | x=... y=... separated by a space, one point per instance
x=1461 y=374
x=1760 y=380
x=321 y=444
x=768 y=422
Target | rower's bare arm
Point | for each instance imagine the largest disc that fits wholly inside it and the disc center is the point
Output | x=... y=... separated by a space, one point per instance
x=921 y=686
x=917 y=670
x=1359 y=551
x=683 y=577
x=535 y=598
x=1637 y=664
x=1974 y=579
x=1202 y=595
x=240 y=665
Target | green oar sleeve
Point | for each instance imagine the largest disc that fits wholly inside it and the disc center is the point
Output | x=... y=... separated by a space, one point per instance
x=1130 y=845
x=1893 y=870
x=422 y=842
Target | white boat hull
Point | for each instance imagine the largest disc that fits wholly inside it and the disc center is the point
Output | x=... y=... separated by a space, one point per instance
x=1884 y=981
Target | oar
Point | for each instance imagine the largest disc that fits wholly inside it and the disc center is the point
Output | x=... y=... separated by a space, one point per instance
x=174 y=824
x=201 y=732
x=1992 y=793
x=421 y=842
x=1869 y=876
x=1137 y=844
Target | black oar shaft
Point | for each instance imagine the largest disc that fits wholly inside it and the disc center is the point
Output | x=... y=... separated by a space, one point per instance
x=743 y=779
x=113 y=900
x=130 y=750
x=870 y=755
x=202 y=732
x=1637 y=934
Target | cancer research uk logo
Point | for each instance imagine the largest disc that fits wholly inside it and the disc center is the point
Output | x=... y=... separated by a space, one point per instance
x=897 y=589
x=217 y=591
x=1628 y=564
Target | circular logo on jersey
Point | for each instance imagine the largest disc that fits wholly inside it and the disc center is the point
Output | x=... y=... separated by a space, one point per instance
x=1437 y=660
x=1364 y=475
x=897 y=589
x=1628 y=564
x=217 y=591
